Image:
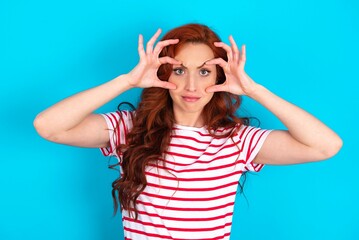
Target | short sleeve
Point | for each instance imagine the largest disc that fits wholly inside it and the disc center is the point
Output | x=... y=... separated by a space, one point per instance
x=119 y=123
x=251 y=141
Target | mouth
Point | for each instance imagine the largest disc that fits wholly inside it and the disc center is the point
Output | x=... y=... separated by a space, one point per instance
x=190 y=99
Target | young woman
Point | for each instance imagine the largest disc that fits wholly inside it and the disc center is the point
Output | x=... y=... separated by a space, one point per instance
x=183 y=150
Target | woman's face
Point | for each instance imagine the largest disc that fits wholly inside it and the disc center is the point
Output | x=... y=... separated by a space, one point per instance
x=192 y=78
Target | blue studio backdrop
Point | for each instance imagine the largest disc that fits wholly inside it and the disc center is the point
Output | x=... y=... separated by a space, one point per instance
x=305 y=51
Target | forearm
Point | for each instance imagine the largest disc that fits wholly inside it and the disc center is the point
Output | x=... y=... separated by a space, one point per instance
x=69 y=112
x=301 y=125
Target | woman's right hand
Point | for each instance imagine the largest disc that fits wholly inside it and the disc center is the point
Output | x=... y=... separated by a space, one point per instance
x=144 y=75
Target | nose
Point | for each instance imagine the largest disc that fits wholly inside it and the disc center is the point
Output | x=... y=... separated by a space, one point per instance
x=191 y=83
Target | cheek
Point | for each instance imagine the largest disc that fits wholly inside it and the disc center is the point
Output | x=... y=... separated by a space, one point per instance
x=170 y=79
x=212 y=79
x=208 y=82
x=173 y=79
x=210 y=95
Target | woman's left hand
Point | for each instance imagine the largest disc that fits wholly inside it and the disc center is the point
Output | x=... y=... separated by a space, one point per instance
x=237 y=80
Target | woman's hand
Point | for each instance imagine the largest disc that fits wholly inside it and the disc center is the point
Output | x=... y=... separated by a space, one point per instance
x=307 y=139
x=144 y=75
x=237 y=80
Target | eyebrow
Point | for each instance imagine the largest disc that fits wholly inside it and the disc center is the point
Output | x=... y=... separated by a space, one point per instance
x=198 y=66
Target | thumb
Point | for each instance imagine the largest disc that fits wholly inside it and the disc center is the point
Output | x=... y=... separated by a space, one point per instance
x=165 y=84
x=216 y=88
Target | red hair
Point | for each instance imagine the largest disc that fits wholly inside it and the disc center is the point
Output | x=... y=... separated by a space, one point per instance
x=154 y=118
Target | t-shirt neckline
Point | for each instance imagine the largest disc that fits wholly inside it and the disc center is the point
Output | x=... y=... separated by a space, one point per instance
x=190 y=128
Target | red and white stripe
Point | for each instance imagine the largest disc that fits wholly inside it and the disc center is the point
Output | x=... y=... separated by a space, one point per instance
x=191 y=194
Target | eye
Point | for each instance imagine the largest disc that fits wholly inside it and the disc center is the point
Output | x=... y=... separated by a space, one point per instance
x=178 y=71
x=204 y=72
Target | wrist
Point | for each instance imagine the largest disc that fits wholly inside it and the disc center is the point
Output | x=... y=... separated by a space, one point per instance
x=256 y=91
x=122 y=83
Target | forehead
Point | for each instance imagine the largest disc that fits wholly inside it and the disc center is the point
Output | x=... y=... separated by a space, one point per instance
x=194 y=54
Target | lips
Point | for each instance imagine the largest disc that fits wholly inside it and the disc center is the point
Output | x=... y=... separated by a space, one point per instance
x=190 y=98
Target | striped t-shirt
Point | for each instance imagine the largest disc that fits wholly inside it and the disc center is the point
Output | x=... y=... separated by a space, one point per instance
x=192 y=195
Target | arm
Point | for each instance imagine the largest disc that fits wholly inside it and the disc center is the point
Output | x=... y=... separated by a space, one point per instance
x=307 y=139
x=72 y=121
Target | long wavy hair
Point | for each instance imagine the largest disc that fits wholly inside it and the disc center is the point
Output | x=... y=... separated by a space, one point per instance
x=154 y=118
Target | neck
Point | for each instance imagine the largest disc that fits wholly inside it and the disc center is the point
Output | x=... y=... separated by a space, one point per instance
x=190 y=120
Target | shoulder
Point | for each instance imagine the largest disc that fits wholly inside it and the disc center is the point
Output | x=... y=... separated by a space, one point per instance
x=249 y=133
x=118 y=115
x=118 y=118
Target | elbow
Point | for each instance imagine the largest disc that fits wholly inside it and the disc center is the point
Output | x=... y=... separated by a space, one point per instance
x=332 y=149
x=42 y=127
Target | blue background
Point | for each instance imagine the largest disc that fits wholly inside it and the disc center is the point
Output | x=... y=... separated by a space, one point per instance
x=305 y=51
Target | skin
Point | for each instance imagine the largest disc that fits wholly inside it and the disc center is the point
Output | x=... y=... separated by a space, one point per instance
x=192 y=77
x=72 y=121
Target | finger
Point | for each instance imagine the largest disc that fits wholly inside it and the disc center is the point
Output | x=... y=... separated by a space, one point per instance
x=163 y=44
x=164 y=60
x=151 y=42
x=217 y=88
x=141 y=50
x=242 y=59
x=226 y=48
x=218 y=61
x=236 y=54
x=164 y=84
